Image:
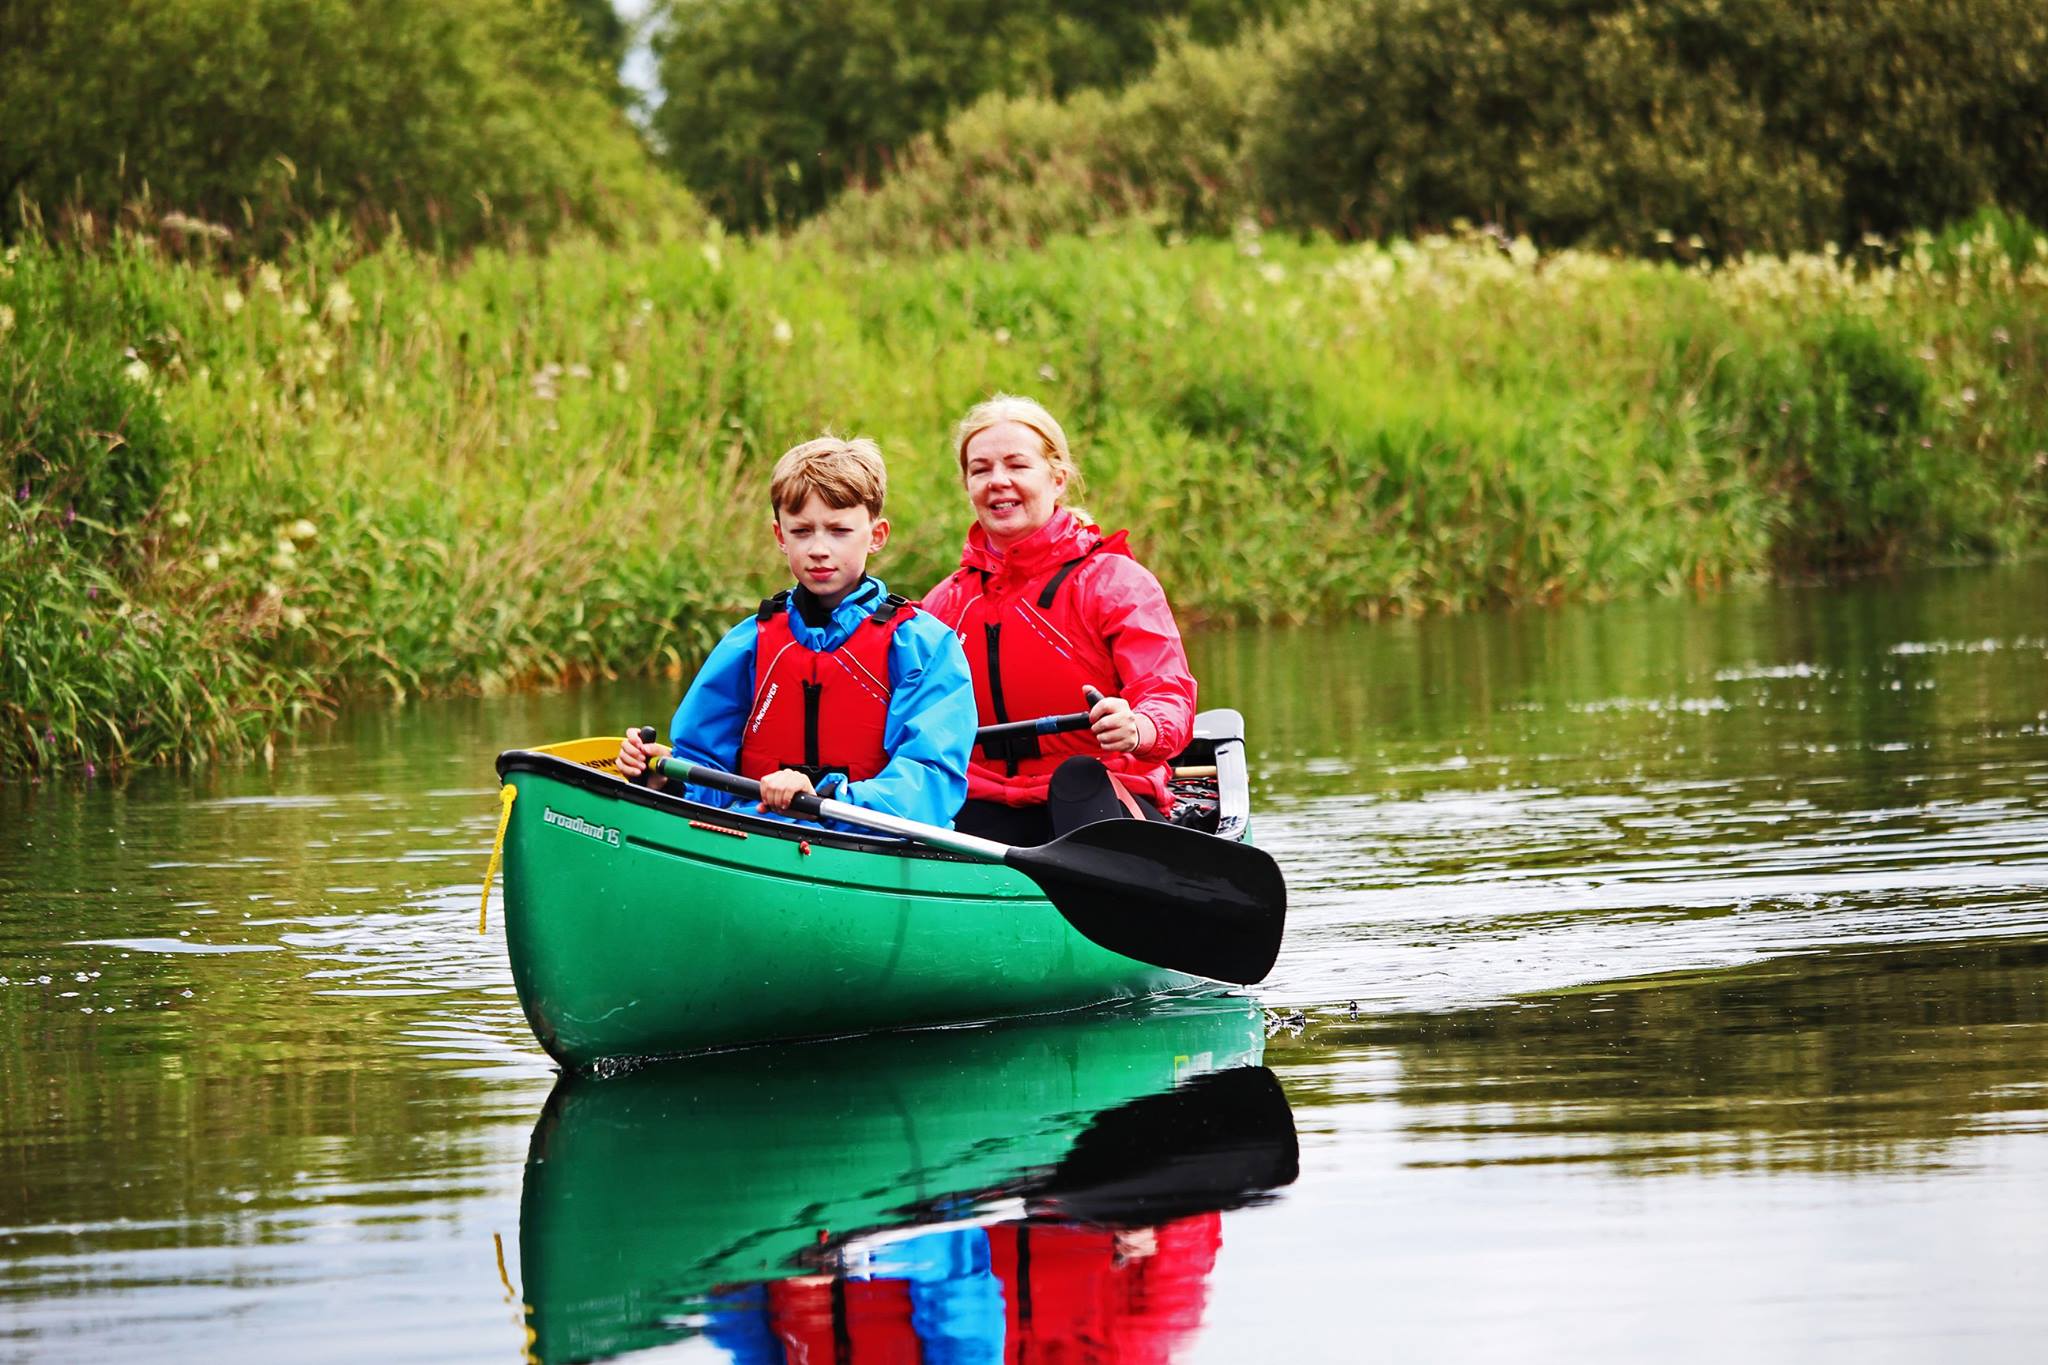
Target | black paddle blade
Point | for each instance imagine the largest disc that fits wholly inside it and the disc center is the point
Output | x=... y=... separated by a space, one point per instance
x=1166 y=895
x=1219 y=1141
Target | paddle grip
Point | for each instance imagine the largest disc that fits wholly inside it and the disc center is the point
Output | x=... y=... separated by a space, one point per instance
x=746 y=788
x=646 y=737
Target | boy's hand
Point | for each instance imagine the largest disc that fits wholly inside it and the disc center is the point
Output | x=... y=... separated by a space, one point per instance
x=1118 y=728
x=635 y=754
x=780 y=788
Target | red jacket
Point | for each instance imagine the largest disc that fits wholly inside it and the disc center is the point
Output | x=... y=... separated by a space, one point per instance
x=1107 y=625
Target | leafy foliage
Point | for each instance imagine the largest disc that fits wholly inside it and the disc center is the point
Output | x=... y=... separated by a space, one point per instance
x=1662 y=127
x=1751 y=123
x=454 y=121
x=773 y=106
x=1018 y=170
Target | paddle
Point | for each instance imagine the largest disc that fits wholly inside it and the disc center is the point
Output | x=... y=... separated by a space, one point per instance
x=987 y=735
x=1044 y=725
x=1154 y=892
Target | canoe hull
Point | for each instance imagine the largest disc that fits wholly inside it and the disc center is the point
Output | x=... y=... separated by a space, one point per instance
x=640 y=924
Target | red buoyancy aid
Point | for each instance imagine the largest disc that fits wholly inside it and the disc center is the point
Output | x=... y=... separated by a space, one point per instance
x=1031 y=653
x=820 y=711
x=1134 y=1295
x=841 y=1319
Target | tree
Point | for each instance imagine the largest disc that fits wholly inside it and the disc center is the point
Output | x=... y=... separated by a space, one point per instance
x=772 y=106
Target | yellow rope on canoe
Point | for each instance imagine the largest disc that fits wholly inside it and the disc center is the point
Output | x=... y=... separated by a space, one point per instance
x=507 y=794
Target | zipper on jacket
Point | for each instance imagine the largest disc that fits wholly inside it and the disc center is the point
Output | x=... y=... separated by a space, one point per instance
x=814 y=694
x=995 y=685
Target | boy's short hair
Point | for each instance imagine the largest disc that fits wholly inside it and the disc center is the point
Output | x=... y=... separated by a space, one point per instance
x=845 y=473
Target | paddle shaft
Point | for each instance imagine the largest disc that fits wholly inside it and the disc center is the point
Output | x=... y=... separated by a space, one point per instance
x=1044 y=725
x=825 y=808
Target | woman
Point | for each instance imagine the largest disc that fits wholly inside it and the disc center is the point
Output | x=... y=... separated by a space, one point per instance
x=1047 y=607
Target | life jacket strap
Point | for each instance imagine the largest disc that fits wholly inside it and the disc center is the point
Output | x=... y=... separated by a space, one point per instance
x=1052 y=586
x=772 y=607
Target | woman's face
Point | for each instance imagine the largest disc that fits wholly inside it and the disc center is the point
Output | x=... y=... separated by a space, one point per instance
x=1013 y=487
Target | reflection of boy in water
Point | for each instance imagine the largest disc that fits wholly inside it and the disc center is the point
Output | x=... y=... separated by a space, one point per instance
x=1013 y=1293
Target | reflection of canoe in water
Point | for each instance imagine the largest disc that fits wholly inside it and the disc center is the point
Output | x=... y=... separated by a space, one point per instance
x=652 y=1198
x=642 y=924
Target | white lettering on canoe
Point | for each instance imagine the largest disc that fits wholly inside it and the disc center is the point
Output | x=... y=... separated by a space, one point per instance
x=576 y=824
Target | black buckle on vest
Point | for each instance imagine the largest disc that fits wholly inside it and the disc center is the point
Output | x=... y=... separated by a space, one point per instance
x=1010 y=749
x=772 y=607
x=883 y=614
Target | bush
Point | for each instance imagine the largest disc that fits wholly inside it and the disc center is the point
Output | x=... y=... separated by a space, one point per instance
x=454 y=121
x=773 y=107
x=1750 y=123
x=1016 y=170
x=1841 y=424
x=82 y=431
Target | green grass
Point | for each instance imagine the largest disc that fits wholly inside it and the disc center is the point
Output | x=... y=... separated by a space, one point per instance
x=389 y=474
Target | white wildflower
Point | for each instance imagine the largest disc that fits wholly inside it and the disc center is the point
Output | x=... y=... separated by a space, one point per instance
x=232 y=301
x=340 y=305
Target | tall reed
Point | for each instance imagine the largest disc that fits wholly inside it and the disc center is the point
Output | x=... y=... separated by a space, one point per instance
x=386 y=474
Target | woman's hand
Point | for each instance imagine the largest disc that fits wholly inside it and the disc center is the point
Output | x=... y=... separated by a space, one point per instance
x=1118 y=728
x=635 y=754
x=783 y=786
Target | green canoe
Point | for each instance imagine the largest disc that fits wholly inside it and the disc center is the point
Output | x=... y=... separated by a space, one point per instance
x=641 y=924
x=651 y=1198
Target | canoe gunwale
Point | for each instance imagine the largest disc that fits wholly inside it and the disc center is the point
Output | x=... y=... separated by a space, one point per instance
x=1218 y=738
x=609 y=785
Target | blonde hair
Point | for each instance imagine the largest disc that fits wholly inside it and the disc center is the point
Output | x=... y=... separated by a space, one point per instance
x=845 y=473
x=1010 y=407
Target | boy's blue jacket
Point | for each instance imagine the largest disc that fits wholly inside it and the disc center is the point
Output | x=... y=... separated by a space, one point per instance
x=928 y=732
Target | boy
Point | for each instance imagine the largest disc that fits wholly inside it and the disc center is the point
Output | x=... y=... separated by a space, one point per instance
x=835 y=686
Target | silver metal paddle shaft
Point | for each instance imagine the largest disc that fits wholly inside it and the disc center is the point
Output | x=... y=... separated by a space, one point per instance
x=824 y=808
x=952 y=840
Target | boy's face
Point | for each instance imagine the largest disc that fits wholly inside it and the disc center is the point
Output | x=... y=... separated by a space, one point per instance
x=828 y=547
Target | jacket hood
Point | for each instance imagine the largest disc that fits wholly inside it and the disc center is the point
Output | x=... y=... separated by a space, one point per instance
x=1064 y=536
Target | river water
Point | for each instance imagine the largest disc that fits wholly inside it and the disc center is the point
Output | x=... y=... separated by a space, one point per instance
x=1664 y=979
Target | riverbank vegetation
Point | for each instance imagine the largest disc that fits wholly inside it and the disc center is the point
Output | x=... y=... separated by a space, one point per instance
x=414 y=369
x=242 y=494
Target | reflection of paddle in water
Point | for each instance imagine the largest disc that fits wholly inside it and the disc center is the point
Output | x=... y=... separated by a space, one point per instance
x=1104 y=1257
x=670 y=1202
